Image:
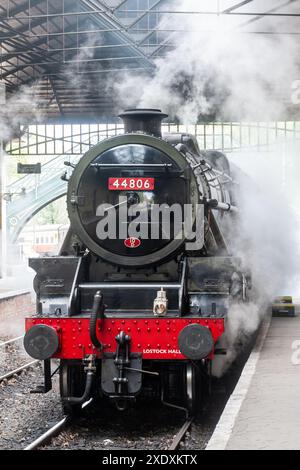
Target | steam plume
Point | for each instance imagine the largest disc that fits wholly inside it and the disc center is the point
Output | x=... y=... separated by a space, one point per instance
x=217 y=69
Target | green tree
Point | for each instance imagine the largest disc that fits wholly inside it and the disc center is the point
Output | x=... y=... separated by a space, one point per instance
x=54 y=213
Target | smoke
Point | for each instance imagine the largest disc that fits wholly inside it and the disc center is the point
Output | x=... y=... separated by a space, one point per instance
x=216 y=68
x=267 y=241
x=22 y=107
x=82 y=83
x=241 y=324
x=82 y=72
x=17 y=109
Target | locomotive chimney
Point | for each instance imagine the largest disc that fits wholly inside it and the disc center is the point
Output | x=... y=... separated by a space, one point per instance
x=147 y=121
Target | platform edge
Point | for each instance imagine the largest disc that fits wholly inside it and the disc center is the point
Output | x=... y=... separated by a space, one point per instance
x=223 y=430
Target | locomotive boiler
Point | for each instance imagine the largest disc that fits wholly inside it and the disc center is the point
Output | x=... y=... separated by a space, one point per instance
x=137 y=299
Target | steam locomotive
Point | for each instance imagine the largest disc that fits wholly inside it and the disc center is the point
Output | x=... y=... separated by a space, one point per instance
x=137 y=299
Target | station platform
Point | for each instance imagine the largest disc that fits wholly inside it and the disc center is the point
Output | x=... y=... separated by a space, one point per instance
x=263 y=412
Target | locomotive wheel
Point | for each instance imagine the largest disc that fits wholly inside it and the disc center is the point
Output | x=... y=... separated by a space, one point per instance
x=71 y=383
x=192 y=388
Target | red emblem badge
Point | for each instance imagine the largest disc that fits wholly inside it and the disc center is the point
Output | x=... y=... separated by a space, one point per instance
x=132 y=242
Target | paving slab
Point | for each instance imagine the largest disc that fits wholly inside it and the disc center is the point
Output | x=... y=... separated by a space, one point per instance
x=264 y=410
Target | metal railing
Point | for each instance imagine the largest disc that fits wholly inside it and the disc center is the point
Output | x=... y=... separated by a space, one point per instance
x=76 y=139
x=31 y=193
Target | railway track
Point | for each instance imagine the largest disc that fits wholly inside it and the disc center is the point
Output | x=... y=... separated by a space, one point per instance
x=53 y=431
x=181 y=434
x=19 y=369
x=61 y=425
x=10 y=341
x=66 y=420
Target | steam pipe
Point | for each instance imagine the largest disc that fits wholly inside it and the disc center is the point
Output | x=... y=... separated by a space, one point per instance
x=97 y=312
x=221 y=206
x=86 y=393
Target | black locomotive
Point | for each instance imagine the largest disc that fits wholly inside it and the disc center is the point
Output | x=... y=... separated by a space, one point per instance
x=138 y=297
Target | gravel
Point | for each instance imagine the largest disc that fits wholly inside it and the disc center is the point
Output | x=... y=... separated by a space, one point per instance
x=104 y=427
x=25 y=416
x=12 y=355
x=147 y=425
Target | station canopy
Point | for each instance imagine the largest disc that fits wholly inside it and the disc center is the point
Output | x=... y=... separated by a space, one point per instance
x=69 y=49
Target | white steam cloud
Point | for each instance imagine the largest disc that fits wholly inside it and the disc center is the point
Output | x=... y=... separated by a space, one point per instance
x=22 y=107
x=217 y=67
x=221 y=68
x=267 y=242
x=80 y=82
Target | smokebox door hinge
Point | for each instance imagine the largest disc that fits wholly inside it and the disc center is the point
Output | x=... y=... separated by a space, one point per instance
x=77 y=200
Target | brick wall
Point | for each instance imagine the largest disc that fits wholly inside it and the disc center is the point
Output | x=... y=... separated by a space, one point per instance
x=19 y=305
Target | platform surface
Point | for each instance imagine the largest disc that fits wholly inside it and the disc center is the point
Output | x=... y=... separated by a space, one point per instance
x=269 y=416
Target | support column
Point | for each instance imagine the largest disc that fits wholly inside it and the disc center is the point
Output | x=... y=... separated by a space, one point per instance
x=3 y=245
x=3 y=240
